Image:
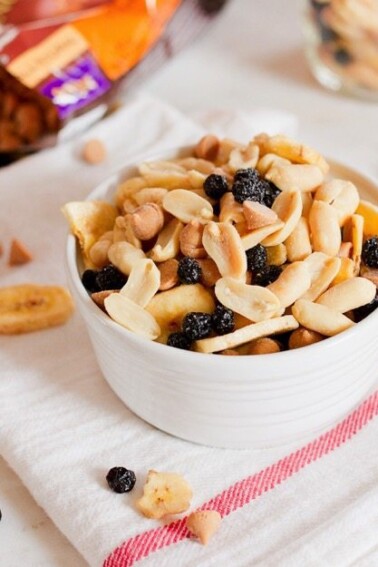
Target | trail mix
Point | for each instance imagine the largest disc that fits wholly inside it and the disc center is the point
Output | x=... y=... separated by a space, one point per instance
x=347 y=32
x=166 y=494
x=235 y=249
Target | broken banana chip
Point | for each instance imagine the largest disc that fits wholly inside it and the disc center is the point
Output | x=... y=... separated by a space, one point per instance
x=164 y=494
x=88 y=220
x=30 y=307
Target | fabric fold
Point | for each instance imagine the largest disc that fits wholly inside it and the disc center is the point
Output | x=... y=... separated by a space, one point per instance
x=62 y=428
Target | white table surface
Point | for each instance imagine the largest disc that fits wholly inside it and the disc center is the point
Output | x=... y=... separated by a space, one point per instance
x=251 y=57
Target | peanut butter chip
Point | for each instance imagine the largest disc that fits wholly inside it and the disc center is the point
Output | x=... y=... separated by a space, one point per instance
x=19 y=254
x=94 y=152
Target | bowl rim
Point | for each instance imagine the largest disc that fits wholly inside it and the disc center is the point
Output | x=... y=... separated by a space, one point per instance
x=105 y=186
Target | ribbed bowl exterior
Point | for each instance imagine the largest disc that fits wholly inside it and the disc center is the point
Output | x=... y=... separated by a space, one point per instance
x=235 y=402
x=231 y=401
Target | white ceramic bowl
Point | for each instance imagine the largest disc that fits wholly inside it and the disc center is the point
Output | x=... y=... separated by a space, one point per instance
x=231 y=401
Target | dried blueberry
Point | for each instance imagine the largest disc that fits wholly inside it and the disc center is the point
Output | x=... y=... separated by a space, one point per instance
x=342 y=56
x=215 y=186
x=248 y=186
x=196 y=325
x=189 y=271
x=266 y=275
x=270 y=193
x=88 y=280
x=110 y=278
x=223 y=320
x=179 y=340
x=120 y=479
x=256 y=257
x=365 y=310
x=370 y=252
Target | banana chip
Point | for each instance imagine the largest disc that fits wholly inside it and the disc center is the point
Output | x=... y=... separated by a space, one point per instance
x=164 y=494
x=28 y=307
x=88 y=221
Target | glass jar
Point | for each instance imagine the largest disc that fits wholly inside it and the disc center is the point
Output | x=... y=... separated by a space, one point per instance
x=342 y=45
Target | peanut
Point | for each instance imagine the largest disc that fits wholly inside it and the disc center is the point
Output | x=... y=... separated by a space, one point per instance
x=207 y=148
x=342 y=195
x=295 y=177
x=168 y=242
x=324 y=228
x=298 y=243
x=323 y=269
x=304 y=337
x=320 y=318
x=254 y=302
x=98 y=253
x=250 y=239
x=187 y=206
x=288 y=207
x=268 y=160
x=123 y=256
x=209 y=272
x=242 y=158
x=168 y=274
x=230 y=210
x=264 y=346
x=223 y=244
x=143 y=282
x=131 y=316
x=292 y=283
x=191 y=240
x=147 y=221
x=348 y=295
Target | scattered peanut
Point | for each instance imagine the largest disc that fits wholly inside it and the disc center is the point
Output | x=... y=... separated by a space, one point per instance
x=93 y=152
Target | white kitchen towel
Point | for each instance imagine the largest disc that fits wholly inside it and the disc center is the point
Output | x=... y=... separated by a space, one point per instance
x=62 y=428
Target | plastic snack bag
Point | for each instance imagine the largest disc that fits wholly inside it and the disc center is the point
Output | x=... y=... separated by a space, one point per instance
x=62 y=60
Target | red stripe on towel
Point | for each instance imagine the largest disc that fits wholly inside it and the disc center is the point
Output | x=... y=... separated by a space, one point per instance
x=246 y=490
